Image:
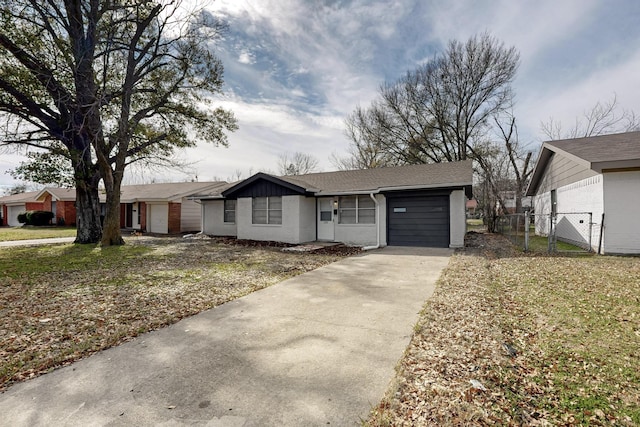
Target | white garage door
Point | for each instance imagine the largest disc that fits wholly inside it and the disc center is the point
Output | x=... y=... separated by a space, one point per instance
x=158 y=218
x=12 y=214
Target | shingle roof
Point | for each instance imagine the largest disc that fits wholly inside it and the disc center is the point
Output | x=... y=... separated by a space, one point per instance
x=603 y=148
x=377 y=179
x=166 y=191
x=598 y=153
x=425 y=176
x=144 y=192
x=19 y=198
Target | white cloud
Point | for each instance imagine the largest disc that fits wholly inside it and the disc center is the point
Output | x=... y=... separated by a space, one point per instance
x=246 y=58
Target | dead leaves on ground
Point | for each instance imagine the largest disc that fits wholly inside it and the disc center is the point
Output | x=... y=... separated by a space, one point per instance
x=509 y=339
x=51 y=318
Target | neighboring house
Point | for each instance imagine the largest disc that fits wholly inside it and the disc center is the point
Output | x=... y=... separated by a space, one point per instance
x=417 y=205
x=163 y=208
x=471 y=206
x=60 y=201
x=12 y=206
x=509 y=199
x=599 y=176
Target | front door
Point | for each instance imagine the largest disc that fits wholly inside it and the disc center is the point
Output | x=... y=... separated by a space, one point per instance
x=325 y=219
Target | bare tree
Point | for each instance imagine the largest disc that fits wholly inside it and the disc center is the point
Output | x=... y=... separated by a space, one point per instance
x=602 y=118
x=438 y=112
x=505 y=167
x=105 y=83
x=297 y=163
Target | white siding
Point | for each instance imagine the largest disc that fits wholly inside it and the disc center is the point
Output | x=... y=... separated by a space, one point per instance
x=457 y=218
x=213 y=219
x=365 y=234
x=190 y=215
x=622 y=204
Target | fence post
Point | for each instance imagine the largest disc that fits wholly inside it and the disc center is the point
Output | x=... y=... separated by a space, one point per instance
x=526 y=231
x=590 y=230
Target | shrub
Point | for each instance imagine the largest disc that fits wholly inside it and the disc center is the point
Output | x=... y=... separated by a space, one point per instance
x=36 y=217
x=22 y=217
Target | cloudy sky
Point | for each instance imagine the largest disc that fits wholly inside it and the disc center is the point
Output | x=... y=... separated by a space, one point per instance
x=295 y=68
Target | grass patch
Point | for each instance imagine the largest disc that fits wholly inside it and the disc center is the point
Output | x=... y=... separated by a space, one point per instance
x=475 y=224
x=516 y=339
x=31 y=232
x=59 y=303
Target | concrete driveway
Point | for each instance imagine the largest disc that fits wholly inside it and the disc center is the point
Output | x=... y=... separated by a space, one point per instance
x=315 y=350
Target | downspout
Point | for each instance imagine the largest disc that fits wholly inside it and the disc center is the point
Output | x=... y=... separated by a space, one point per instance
x=377 y=245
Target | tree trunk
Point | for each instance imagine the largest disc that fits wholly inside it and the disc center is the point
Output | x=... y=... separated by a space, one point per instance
x=89 y=229
x=111 y=234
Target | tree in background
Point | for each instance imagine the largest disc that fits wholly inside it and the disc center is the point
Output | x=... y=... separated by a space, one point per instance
x=601 y=119
x=45 y=168
x=297 y=164
x=439 y=112
x=505 y=167
x=104 y=84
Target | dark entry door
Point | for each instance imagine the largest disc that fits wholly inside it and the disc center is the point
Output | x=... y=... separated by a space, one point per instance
x=418 y=221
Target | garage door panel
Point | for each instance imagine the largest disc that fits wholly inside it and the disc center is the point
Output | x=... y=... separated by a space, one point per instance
x=418 y=221
x=158 y=218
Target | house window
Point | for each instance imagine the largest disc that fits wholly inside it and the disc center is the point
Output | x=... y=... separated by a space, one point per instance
x=356 y=210
x=267 y=210
x=230 y=211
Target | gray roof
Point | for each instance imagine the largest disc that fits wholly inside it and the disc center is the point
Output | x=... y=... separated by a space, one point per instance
x=19 y=198
x=410 y=177
x=436 y=175
x=171 y=191
x=601 y=149
x=166 y=191
x=598 y=153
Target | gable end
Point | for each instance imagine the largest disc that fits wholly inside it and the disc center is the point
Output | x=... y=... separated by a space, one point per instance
x=263 y=185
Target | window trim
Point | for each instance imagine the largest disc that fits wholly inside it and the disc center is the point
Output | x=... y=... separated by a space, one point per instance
x=357 y=210
x=268 y=210
x=225 y=210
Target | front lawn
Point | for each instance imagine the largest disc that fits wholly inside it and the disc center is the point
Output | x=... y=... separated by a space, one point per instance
x=31 y=232
x=59 y=303
x=516 y=339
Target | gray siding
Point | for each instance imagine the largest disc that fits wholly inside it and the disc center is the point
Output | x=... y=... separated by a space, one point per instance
x=562 y=171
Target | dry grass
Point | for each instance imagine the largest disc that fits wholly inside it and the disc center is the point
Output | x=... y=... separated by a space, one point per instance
x=510 y=339
x=59 y=303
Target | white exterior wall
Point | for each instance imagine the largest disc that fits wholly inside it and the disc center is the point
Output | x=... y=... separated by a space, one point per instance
x=213 y=219
x=622 y=204
x=457 y=218
x=542 y=210
x=582 y=196
x=307 y=219
x=365 y=234
x=190 y=215
x=287 y=232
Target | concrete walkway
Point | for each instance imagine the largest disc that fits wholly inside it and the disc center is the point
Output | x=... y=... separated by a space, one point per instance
x=35 y=242
x=315 y=350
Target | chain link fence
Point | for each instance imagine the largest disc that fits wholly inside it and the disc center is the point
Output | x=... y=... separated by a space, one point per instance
x=560 y=232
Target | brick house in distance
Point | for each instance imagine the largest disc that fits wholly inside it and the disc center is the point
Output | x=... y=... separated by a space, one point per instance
x=13 y=205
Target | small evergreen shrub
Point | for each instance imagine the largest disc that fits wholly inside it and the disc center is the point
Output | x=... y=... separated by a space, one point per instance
x=22 y=217
x=36 y=217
